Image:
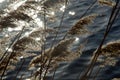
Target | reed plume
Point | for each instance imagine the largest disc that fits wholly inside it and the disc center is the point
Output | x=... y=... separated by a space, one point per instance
x=10 y=17
x=13 y=13
x=8 y=20
x=59 y=49
x=116 y=79
x=107 y=2
x=79 y=27
x=110 y=51
x=60 y=52
x=28 y=11
x=54 y=4
x=30 y=41
x=18 y=50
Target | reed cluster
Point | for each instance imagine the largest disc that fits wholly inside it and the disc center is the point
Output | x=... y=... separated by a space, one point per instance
x=24 y=26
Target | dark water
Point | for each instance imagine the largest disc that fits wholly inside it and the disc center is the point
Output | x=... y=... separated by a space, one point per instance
x=71 y=71
x=78 y=66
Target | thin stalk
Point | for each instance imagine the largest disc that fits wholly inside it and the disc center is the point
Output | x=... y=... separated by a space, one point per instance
x=43 y=48
x=19 y=69
x=5 y=66
x=47 y=68
x=78 y=76
x=89 y=8
x=19 y=35
x=106 y=30
x=64 y=36
x=54 y=73
x=114 y=16
x=60 y=25
x=99 y=48
x=3 y=56
x=100 y=68
x=96 y=74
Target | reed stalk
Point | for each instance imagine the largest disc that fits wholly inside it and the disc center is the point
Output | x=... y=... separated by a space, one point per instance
x=18 y=36
x=48 y=59
x=97 y=53
x=19 y=69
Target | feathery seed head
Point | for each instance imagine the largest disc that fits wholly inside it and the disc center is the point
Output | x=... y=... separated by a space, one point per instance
x=79 y=27
x=107 y=2
x=111 y=49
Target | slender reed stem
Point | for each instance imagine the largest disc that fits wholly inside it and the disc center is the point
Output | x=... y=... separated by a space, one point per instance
x=111 y=23
x=96 y=74
x=43 y=48
x=89 y=8
x=99 y=48
x=60 y=25
x=47 y=68
x=54 y=73
x=18 y=37
x=19 y=69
